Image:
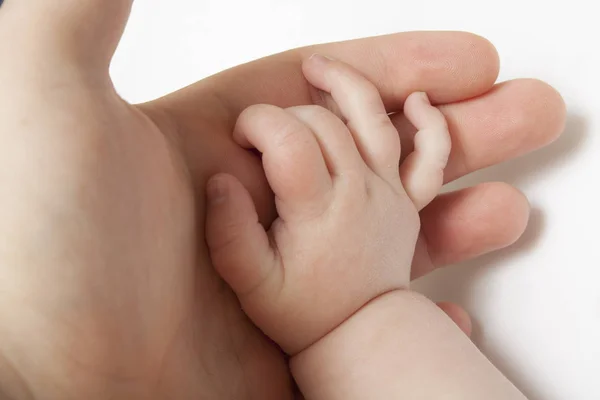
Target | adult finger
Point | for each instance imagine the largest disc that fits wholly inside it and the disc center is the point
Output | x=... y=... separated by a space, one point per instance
x=461 y=225
x=495 y=125
x=512 y=119
x=449 y=66
x=460 y=317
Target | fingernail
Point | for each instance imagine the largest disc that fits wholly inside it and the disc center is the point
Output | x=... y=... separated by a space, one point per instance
x=425 y=97
x=320 y=59
x=216 y=191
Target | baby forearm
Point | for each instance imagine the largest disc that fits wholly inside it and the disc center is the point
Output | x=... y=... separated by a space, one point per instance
x=399 y=346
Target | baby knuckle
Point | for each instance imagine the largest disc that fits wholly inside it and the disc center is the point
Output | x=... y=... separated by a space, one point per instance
x=289 y=133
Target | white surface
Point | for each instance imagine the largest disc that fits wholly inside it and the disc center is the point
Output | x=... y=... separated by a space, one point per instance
x=537 y=306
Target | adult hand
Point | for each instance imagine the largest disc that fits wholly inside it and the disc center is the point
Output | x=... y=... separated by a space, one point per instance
x=106 y=287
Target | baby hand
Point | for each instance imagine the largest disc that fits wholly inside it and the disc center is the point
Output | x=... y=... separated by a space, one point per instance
x=348 y=223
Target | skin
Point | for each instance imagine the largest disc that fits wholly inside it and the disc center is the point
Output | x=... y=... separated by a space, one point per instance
x=347 y=224
x=102 y=202
x=329 y=281
x=400 y=345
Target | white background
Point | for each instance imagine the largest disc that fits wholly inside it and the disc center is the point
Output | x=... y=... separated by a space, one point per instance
x=536 y=305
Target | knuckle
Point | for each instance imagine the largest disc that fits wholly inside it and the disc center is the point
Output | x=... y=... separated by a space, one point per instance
x=288 y=132
x=228 y=236
x=289 y=146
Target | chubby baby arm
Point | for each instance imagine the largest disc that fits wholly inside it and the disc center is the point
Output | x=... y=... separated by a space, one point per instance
x=399 y=346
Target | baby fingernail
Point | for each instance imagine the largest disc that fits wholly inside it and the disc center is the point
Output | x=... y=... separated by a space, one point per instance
x=320 y=59
x=216 y=191
x=425 y=97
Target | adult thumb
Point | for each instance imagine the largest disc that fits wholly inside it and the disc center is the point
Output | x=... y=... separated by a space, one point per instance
x=86 y=31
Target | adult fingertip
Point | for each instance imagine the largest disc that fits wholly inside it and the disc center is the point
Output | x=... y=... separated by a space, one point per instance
x=474 y=221
x=551 y=104
x=490 y=52
x=521 y=210
x=540 y=110
x=473 y=63
x=514 y=207
x=459 y=316
x=483 y=49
